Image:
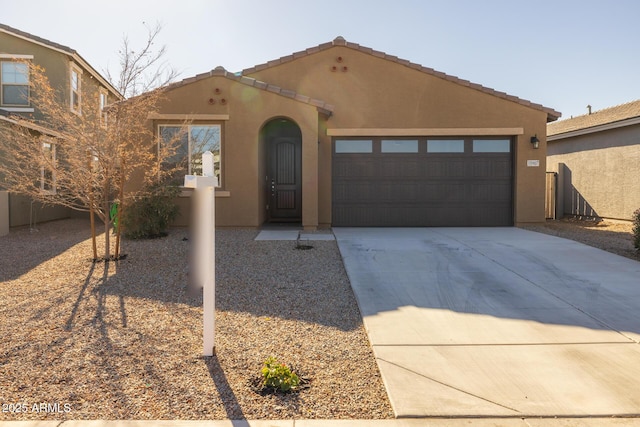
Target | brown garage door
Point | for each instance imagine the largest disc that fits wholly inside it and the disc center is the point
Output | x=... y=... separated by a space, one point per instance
x=422 y=182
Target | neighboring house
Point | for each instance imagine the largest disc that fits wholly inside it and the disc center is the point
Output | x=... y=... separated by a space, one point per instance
x=344 y=135
x=597 y=161
x=66 y=70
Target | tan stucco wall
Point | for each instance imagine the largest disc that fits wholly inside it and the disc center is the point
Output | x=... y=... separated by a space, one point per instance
x=378 y=93
x=599 y=173
x=241 y=199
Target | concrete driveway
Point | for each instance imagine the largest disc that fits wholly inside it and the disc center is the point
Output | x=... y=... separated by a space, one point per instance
x=497 y=321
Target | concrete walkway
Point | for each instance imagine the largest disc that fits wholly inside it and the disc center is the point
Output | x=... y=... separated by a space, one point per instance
x=499 y=322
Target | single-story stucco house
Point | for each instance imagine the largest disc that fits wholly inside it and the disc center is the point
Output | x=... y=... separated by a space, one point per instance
x=343 y=135
x=597 y=160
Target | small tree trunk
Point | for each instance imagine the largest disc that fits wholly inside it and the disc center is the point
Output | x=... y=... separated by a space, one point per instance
x=107 y=218
x=119 y=212
x=93 y=231
x=93 y=221
x=107 y=244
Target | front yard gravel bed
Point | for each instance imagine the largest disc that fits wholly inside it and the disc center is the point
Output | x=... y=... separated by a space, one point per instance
x=123 y=340
x=609 y=235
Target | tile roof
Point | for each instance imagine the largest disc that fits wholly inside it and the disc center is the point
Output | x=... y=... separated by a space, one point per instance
x=606 y=116
x=220 y=71
x=61 y=48
x=340 y=41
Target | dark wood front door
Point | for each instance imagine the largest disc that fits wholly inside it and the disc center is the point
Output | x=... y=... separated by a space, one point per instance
x=284 y=179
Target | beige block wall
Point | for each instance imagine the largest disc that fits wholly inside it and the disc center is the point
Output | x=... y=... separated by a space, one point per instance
x=23 y=212
x=4 y=213
x=599 y=173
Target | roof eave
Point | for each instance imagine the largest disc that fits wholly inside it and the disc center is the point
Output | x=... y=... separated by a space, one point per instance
x=594 y=129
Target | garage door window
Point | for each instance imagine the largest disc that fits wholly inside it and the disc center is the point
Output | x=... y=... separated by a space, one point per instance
x=491 y=145
x=399 y=146
x=445 y=146
x=354 y=146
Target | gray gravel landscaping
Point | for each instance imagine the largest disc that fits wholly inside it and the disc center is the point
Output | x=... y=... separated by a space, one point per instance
x=123 y=340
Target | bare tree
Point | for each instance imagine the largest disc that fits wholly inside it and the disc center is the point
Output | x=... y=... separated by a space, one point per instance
x=83 y=161
x=144 y=69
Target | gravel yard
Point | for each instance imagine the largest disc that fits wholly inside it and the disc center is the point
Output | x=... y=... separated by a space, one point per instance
x=609 y=235
x=124 y=340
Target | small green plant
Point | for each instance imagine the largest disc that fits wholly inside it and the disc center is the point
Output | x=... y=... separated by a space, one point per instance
x=636 y=229
x=149 y=216
x=278 y=376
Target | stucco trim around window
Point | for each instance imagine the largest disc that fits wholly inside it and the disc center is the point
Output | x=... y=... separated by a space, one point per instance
x=14 y=56
x=425 y=131
x=160 y=116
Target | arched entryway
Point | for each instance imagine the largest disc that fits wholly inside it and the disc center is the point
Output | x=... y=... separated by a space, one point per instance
x=282 y=141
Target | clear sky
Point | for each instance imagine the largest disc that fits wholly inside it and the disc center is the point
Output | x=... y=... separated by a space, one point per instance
x=563 y=54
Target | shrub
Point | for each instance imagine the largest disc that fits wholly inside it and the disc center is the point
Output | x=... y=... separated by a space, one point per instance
x=149 y=216
x=278 y=376
x=636 y=229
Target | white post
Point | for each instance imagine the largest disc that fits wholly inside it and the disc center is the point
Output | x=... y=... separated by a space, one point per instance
x=204 y=259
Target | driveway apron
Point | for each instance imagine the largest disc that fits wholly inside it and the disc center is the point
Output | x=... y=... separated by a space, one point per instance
x=497 y=321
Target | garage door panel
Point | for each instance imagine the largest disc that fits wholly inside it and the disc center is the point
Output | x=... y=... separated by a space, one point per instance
x=354 y=167
x=399 y=167
x=482 y=193
x=399 y=192
x=423 y=189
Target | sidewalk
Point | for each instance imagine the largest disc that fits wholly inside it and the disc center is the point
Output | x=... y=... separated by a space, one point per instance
x=453 y=422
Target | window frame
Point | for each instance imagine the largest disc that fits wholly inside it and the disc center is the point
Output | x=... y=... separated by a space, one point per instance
x=189 y=127
x=103 y=102
x=74 y=69
x=44 y=141
x=14 y=61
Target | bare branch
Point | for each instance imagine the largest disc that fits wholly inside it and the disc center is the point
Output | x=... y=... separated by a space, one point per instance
x=143 y=69
x=75 y=160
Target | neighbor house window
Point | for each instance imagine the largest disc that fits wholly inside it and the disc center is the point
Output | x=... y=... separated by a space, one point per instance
x=102 y=102
x=48 y=167
x=76 y=89
x=15 y=83
x=189 y=143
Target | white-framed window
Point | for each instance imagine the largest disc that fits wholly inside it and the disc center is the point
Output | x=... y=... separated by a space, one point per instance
x=75 y=85
x=48 y=167
x=190 y=143
x=103 y=99
x=14 y=79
